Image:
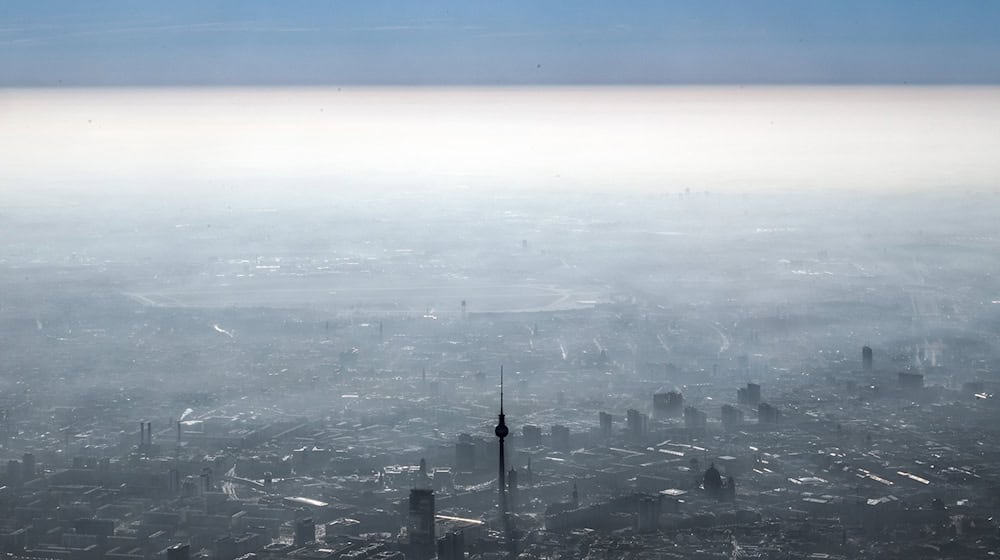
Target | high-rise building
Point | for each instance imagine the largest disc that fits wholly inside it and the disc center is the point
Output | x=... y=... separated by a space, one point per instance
x=421 y=523
x=695 y=419
x=768 y=414
x=712 y=481
x=606 y=424
x=668 y=405
x=532 y=435
x=560 y=438
x=305 y=531
x=732 y=417
x=637 y=423
x=649 y=514
x=28 y=467
x=867 y=358
x=750 y=395
x=451 y=546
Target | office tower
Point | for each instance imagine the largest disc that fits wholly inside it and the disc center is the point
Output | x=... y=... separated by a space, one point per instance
x=768 y=414
x=712 y=481
x=866 y=358
x=421 y=523
x=560 y=438
x=749 y=396
x=695 y=419
x=451 y=546
x=606 y=424
x=649 y=514
x=637 y=424
x=28 y=467
x=668 y=405
x=305 y=531
x=732 y=417
x=532 y=435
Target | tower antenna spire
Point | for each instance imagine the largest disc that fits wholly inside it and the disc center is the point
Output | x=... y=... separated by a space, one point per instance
x=501 y=388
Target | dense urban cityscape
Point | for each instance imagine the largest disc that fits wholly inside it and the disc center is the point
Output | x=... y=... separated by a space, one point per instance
x=509 y=375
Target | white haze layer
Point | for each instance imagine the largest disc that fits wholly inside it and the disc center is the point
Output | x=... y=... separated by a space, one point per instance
x=648 y=138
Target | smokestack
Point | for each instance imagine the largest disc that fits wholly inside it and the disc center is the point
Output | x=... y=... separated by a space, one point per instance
x=178 y=432
x=149 y=433
x=142 y=434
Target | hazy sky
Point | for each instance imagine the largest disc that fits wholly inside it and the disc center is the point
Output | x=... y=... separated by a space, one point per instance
x=722 y=138
x=437 y=42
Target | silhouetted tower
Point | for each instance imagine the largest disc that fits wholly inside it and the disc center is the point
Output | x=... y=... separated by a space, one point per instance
x=866 y=358
x=421 y=523
x=381 y=338
x=501 y=432
x=712 y=481
x=451 y=546
x=606 y=423
x=305 y=531
x=463 y=309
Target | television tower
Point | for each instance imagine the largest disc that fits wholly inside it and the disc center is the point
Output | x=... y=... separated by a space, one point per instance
x=501 y=432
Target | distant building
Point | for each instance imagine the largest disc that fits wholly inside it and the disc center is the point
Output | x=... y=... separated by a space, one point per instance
x=560 y=438
x=695 y=419
x=732 y=417
x=532 y=435
x=28 y=467
x=305 y=531
x=649 y=514
x=910 y=381
x=768 y=414
x=750 y=395
x=606 y=424
x=866 y=358
x=711 y=481
x=512 y=489
x=668 y=405
x=421 y=524
x=637 y=424
x=716 y=487
x=451 y=546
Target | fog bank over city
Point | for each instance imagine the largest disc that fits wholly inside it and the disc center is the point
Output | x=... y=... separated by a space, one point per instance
x=656 y=139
